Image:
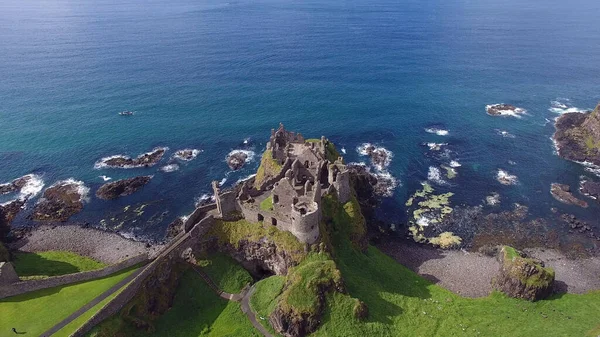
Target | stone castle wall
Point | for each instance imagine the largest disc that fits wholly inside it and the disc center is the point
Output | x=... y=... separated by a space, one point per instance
x=306 y=226
x=23 y=287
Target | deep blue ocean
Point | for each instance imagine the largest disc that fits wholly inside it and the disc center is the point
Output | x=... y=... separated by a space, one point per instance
x=211 y=74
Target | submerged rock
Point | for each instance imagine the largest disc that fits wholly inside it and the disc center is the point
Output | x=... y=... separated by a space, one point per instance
x=522 y=277
x=577 y=136
x=236 y=159
x=143 y=160
x=561 y=192
x=122 y=187
x=186 y=154
x=60 y=201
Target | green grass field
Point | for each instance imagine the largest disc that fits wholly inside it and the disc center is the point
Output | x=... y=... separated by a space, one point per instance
x=227 y=274
x=38 y=311
x=52 y=263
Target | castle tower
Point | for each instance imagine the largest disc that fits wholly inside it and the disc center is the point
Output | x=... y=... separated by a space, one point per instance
x=342 y=186
x=305 y=221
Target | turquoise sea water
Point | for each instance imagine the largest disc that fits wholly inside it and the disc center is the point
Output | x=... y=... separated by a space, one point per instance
x=210 y=74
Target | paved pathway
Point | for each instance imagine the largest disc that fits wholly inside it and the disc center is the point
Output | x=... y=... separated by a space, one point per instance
x=90 y=304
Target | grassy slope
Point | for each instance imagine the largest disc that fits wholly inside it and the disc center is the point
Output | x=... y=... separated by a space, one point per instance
x=38 y=311
x=53 y=263
x=227 y=274
x=196 y=311
x=401 y=303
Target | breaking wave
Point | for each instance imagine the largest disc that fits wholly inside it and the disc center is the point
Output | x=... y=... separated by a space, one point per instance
x=516 y=112
x=505 y=178
x=505 y=134
x=435 y=175
x=170 y=168
x=78 y=187
x=187 y=154
x=249 y=154
x=439 y=132
x=454 y=164
x=381 y=157
x=563 y=106
x=33 y=187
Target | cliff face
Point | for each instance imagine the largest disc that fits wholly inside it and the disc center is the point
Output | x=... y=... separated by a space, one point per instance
x=261 y=257
x=577 y=136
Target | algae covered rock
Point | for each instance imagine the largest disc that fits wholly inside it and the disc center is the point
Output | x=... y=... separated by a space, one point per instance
x=523 y=277
x=577 y=136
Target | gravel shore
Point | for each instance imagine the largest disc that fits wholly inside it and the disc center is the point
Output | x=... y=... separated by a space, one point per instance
x=469 y=274
x=100 y=245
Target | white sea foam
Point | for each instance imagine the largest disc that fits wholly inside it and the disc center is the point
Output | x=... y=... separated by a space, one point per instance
x=179 y=154
x=204 y=198
x=105 y=178
x=222 y=181
x=454 y=164
x=386 y=183
x=561 y=107
x=423 y=221
x=439 y=132
x=435 y=146
x=343 y=150
x=505 y=134
x=505 y=178
x=33 y=187
x=435 y=175
x=517 y=112
x=493 y=199
x=246 y=178
x=170 y=168
x=247 y=140
x=380 y=156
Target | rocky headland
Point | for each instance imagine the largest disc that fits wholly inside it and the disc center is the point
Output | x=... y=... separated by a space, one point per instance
x=562 y=193
x=577 y=136
x=144 y=160
x=122 y=187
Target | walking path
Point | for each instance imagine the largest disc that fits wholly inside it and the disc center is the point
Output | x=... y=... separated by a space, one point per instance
x=247 y=309
x=91 y=304
x=243 y=297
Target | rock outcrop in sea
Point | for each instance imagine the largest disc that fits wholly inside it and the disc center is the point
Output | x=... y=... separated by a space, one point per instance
x=15 y=185
x=144 y=160
x=504 y=110
x=562 y=193
x=590 y=189
x=577 y=136
x=523 y=277
x=60 y=201
x=236 y=159
x=122 y=187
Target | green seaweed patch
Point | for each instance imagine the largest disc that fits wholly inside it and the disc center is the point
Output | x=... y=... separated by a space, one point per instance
x=430 y=209
x=450 y=172
x=446 y=240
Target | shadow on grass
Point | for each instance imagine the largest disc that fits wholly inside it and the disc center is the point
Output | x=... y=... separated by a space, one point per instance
x=54 y=290
x=32 y=264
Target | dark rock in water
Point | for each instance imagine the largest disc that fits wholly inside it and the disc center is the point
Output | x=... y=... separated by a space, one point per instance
x=60 y=202
x=577 y=136
x=122 y=187
x=236 y=160
x=503 y=110
x=522 y=277
x=175 y=228
x=143 y=160
x=186 y=154
x=561 y=192
x=380 y=157
x=591 y=189
x=15 y=185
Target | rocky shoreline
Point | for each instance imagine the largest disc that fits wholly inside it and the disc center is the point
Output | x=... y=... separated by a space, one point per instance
x=122 y=187
x=144 y=160
x=100 y=245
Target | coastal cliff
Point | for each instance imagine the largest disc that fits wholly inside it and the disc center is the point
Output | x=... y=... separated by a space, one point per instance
x=577 y=136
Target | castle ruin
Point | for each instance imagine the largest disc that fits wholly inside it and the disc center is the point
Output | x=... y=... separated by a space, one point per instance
x=291 y=199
